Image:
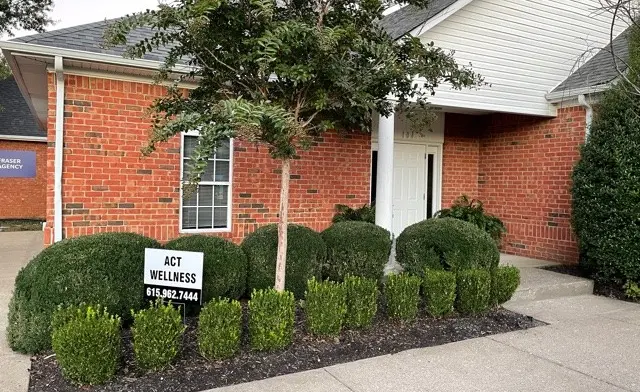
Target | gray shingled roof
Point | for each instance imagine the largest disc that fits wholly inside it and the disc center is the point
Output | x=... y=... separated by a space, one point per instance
x=601 y=68
x=15 y=117
x=402 y=21
x=89 y=38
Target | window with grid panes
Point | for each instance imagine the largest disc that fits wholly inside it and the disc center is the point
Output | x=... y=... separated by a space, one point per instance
x=209 y=208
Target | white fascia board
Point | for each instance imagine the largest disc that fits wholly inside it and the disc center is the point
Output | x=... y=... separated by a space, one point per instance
x=567 y=95
x=437 y=19
x=87 y=56
x=18 y=138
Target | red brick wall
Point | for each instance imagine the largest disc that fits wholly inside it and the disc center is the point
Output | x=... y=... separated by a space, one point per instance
x=24 y=198
x=525 y=179
x=461 y=155
x=109 y=186
x=520 y=167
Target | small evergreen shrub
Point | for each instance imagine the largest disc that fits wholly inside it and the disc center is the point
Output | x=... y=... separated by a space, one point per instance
x=220 y=329
x=445 y=243
x=632 y=290
x=402 y=294
x=325 y=306
x=362 y=301
x=356 y=248
x=472 y=211
x=157 y=335
x=504 y=282
x=102 y=268
x=439 y=290
x=87 y=344
x=474 y=291
x=225 y=265
x=271 y=318
x=306 y=252
x=366 y=213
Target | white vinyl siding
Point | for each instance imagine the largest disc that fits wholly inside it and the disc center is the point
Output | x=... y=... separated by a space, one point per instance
x=523 y=48
x=208 y=209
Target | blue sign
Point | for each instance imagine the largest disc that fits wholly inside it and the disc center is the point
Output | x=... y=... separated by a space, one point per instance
x=17 y=164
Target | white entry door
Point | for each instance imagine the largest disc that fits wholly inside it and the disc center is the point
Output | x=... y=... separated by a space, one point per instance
x=409 y=185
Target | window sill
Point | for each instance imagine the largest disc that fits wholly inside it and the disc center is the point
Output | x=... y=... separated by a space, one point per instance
x=204 y=231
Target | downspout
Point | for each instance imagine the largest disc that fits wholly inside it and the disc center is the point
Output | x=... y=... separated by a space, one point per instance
x=582 y=100
x=58 y=152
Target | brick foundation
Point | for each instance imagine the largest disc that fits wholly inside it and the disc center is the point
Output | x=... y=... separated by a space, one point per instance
x=25 y=198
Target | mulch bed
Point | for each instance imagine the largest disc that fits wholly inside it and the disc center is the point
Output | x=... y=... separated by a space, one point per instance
x=599 y=288
x=191 y=372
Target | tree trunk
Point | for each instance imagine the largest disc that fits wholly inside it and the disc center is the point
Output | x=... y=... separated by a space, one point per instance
x=283 y=221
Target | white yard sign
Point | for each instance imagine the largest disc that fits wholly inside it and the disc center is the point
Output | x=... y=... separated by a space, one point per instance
x=173 y=275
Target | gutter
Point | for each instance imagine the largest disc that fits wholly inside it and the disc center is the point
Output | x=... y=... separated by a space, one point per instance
x=567 y=95
x=42 y=139
x=58 y=152
x=27 y=48
x=582 y=100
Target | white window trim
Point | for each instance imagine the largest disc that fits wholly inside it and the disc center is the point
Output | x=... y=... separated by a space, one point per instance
x=229 y=227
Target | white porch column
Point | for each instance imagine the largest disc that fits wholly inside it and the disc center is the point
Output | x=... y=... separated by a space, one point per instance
x=384 y=184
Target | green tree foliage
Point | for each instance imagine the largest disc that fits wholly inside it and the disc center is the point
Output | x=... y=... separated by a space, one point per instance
x=24 y=15
x=606 y=184
x=5 y=71
x=281 y=72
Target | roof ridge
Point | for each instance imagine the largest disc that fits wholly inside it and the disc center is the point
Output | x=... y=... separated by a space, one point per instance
x=65 y=30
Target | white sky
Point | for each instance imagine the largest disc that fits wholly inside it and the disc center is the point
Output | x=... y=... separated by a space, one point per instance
x=67 y=13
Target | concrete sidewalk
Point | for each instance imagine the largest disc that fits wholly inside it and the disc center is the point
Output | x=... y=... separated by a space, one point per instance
x=591 y=344
x=16 y=249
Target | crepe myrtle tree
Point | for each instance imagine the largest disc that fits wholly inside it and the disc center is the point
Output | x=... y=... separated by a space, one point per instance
x=279 y=73
x=24 y=14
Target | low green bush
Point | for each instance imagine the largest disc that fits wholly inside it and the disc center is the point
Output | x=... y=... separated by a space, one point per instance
x=225 y=265
x=402 y=295
x=472 y=211
x=362 y=301
x=325 y=306
x=87 y=343
x=157 y=335
x=504 y=282
x=271 y=318
x=102 y=268
x=366 y=213
x=356 y=248
x=306 y=252
x=445 y=243
x=220 y=329
x=439 y=290
x=474 y=291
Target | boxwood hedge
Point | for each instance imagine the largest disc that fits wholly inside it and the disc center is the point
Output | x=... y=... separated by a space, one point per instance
x=103 y=268
x=356 y=248
x=306 y=252
x=446 y=243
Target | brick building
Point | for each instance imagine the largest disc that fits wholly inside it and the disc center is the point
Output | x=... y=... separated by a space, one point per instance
x=511 y=143
x=22 y=188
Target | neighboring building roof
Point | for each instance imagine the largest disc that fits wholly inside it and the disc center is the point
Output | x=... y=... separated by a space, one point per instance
x=15 y=117
x=89 y=38
x=404 y=20
x=601 y=68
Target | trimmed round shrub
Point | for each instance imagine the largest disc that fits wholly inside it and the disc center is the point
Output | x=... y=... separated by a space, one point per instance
x=473 y=291
x=446 y=243
x=104 y=269
x=225 y=265
x=606 y=180
x=504 y=283
x=357 y=249
x=306 y=252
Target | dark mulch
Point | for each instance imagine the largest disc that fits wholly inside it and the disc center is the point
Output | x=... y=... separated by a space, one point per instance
x=609 y=290
x=191 y=372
